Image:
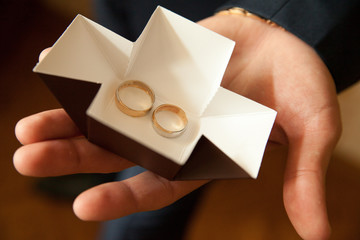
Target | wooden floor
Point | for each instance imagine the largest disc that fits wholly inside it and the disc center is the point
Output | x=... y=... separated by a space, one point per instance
x=236 y=209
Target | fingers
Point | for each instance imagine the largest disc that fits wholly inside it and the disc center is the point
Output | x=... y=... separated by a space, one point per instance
x=44 y=53
x=304 y=183
x=66 y=156
x=45 y=126
x=144 y=192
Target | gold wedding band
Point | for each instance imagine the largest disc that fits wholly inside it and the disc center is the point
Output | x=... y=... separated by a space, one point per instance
x=175 y=131
x=128 y=110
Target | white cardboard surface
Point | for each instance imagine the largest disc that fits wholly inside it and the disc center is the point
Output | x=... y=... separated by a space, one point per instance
x=183 y=63
x=238 y=126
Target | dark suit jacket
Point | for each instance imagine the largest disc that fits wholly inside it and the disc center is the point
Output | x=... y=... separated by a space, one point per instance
x=331 y=27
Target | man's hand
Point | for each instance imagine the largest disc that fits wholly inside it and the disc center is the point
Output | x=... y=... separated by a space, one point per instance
x=275 y=68
x=268 y=65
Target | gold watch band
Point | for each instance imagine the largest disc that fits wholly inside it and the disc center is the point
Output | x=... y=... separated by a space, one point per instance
x=245 y=13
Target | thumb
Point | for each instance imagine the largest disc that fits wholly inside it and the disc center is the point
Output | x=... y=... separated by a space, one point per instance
x=304 y=185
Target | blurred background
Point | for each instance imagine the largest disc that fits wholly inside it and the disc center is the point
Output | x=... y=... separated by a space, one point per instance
x=32 y=208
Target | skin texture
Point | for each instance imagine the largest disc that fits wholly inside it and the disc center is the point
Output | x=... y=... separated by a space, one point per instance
x=270 y=66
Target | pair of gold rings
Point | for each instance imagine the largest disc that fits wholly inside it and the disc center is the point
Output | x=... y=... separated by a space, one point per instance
x=168 y=120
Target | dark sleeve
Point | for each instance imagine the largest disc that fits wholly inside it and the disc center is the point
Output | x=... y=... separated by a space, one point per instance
x=331 y=27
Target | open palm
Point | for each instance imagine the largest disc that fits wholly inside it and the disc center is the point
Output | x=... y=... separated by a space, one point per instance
x=275 y=68
x=269 y=66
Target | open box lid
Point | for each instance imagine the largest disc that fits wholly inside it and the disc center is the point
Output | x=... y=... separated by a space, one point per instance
x=184 y=64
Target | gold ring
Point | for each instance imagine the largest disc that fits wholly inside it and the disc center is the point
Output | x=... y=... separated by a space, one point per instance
x=172 y=123
x=130 y=110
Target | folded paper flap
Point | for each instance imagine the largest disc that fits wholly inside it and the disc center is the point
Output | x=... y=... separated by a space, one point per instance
x=116 y=49
x=228 y=103
x=75 y=97
x=83 y=52
x=209 y=162
x=243 y=139
x=182 y=61
x=240 y=127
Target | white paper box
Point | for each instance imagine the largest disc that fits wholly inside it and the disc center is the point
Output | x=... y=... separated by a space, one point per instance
x=183 y=63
